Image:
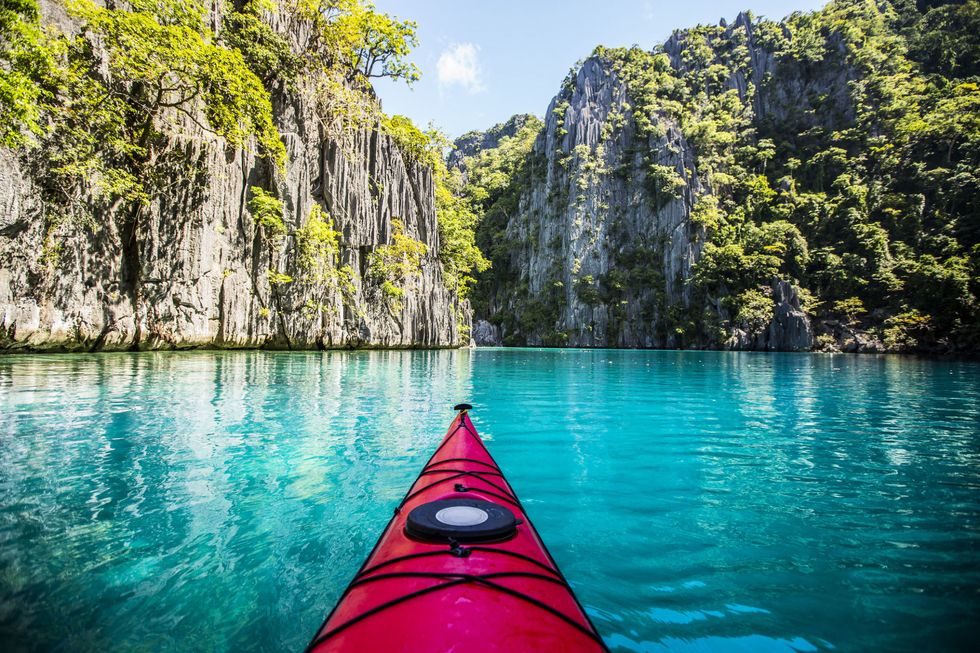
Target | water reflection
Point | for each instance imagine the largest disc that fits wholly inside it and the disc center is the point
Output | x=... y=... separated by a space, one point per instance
x=815 y=490
x=201 y=501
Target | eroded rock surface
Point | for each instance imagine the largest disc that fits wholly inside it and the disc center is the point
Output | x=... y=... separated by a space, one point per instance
x=198 y=272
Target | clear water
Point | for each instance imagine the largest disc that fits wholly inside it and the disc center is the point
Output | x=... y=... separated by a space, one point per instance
x=697 y=501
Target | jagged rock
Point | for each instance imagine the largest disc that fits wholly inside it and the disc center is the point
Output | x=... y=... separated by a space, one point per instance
x=861 y=342
x=474 y=142
x=790 y=329
x=486 y=334
x=836 y=336
x=202 y=275
x=580 y=218
x=601 y=256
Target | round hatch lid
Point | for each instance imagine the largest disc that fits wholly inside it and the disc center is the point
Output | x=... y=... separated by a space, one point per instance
x=464 y=520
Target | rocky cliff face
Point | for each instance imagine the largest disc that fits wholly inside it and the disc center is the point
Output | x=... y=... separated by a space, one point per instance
x=474 y=142
x=604 y=244
x=788 y=330
x=198 y=275
x=590 y=215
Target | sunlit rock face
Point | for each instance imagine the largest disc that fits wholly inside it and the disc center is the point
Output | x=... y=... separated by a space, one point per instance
x=602 y=256
x=589 y=213
x=474 y=142
x=197 y=272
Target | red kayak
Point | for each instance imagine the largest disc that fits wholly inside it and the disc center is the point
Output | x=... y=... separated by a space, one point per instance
x=458 y=568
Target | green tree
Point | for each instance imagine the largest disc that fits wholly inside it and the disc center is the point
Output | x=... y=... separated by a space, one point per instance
x=850 y=308
x=395 y=263
x=24 y=66
x=461 y=259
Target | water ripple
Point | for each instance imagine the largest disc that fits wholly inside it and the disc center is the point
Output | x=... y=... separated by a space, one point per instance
x=697 y=500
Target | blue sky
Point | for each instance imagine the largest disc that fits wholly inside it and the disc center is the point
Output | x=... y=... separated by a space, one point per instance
x=482 y=62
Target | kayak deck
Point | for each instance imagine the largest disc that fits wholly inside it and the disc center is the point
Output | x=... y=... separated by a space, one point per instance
x=499 y=591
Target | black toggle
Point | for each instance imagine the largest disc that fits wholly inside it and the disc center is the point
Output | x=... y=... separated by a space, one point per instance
x=459 y=407
x=458 y=551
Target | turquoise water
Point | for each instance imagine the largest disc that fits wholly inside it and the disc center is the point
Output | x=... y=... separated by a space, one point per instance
x=696 y=500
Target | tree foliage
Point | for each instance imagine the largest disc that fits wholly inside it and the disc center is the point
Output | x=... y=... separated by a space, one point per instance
x=864 y=191
x=318 y=251
x=846 y=163
x=112 y=113
x=495 y=177
x=23 y=67
x=267 y=211
x=461 y=259
x=395 y=263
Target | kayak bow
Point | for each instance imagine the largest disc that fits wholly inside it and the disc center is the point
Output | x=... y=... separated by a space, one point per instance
x=458 y=568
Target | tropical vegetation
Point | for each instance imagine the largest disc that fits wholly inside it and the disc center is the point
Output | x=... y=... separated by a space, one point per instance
x=863 y=191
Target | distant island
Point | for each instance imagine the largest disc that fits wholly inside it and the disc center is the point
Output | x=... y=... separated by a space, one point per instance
x=174 y=176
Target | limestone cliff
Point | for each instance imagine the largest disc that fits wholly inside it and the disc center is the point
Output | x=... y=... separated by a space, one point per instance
x=474 y=142
x=603 y=244
x=198 y=273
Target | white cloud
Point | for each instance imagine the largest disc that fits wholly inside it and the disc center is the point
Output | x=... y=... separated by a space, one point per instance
x=458 y=65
